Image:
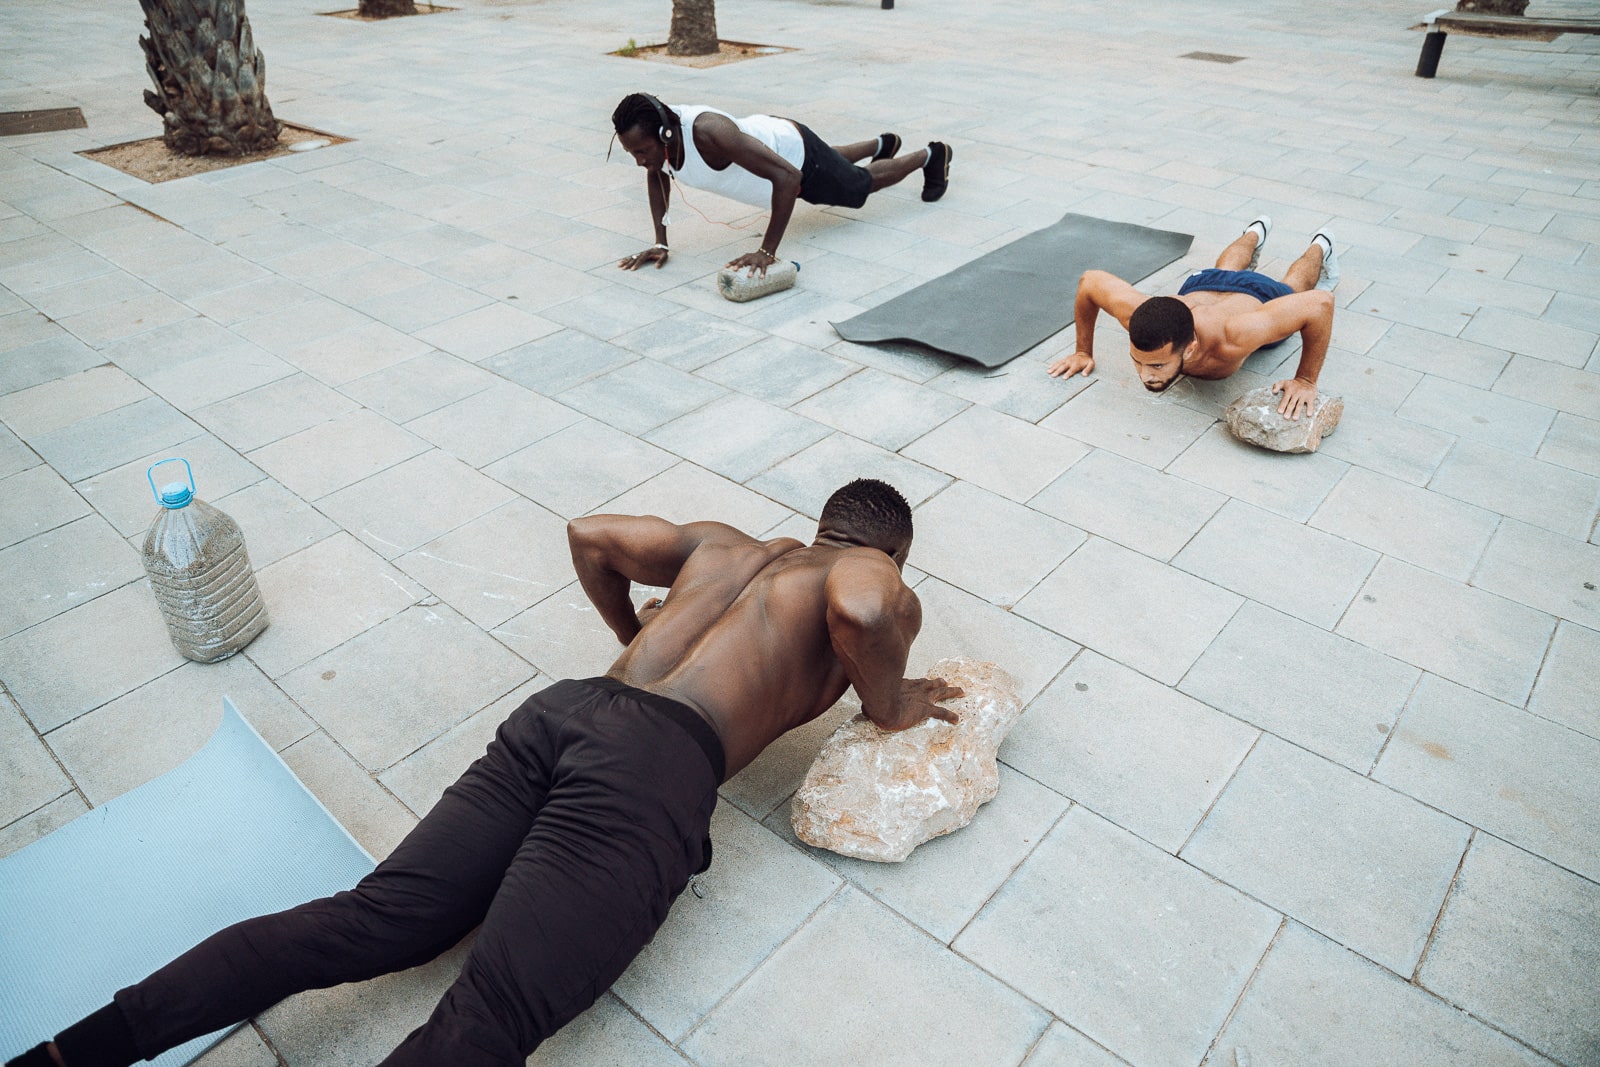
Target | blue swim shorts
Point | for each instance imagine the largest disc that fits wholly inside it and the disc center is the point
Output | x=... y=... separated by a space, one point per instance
x=1248 y=282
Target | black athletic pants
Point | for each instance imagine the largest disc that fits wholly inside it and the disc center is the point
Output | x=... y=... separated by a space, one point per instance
x=568 y=841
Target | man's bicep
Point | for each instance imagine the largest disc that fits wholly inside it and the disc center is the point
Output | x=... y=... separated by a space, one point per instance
x=747 y=152
x=642 y=548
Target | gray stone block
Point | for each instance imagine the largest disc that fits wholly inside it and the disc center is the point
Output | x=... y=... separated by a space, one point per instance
x=1476 y=638
x=1130 y=503
x=1007 y=456
x=1568 y=690
x=1286 y=565
x=988 y=545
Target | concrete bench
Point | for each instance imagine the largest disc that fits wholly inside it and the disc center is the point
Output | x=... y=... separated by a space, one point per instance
x=1440 y=22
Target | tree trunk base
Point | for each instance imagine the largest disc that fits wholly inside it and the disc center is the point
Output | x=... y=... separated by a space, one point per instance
x=1493 y=7
x=189 y=141
x=694 y=28
x=385 y=9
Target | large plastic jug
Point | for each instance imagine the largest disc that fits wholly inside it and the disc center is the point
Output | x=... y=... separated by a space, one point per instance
x=200 y=571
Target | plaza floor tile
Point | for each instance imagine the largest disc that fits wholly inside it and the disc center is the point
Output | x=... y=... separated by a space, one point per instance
x=1149 y=759
x=1476 y=638
x=1516 y=947
x=886 y=984
x=1323 y=692
x=1354 y=860
x=399 y=684
x=1520 y=777
x=1146 y=614
x=1094 y=902
x=1314 y=1002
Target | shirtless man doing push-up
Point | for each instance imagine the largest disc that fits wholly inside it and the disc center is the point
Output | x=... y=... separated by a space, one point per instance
x=569 y=839
x=1219 y=317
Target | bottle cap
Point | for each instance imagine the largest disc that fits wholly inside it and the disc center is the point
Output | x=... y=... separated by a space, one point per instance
x=173 y=494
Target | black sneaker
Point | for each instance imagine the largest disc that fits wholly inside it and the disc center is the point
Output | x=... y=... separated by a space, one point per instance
x=888 y=146
x=936 y=171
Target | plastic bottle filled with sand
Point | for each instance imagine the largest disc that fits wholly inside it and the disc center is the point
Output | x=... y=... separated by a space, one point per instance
x=200 y=571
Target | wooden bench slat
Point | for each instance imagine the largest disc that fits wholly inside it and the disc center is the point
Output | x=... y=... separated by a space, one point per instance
x=1468 y=21
x=1440 y=23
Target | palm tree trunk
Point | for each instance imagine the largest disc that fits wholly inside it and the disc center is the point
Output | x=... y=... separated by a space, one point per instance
x=694 y=28
x=383 y=9
x=210 y=80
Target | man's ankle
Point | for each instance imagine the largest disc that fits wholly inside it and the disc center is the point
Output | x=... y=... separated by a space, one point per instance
x=101 y=1039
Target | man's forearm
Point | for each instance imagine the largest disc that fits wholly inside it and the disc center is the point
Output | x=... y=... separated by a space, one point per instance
x=608 y=592
x=1084 y=314
x=659 y=198
x=1315 y=337
x=874 y=651
x=783 y=198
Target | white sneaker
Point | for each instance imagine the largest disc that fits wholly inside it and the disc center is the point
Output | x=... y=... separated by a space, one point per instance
x=1329 y=276
x=1263 y=225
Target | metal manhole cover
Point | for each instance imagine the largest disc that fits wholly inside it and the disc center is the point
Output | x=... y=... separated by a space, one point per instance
x=57 y=118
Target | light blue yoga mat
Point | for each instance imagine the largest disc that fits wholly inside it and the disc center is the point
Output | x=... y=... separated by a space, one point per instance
x=124 y=888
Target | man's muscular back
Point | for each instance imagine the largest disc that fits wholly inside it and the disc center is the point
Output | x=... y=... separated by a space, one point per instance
x=758 y=636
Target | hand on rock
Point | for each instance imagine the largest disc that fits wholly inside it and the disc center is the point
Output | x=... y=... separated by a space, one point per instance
x=1299 y=398
x=920 y=697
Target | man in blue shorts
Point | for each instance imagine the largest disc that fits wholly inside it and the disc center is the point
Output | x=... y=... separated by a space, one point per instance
x=759 y=160
x=1220 y=316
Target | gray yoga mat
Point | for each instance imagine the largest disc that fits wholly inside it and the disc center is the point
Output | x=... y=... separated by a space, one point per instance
x=126 y=887
x=1003 y=303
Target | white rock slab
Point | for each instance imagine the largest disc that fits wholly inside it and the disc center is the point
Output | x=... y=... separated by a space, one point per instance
x=873 y=794
x=1254 y=419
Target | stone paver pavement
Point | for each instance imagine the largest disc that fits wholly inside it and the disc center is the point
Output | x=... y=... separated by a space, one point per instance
x=1311 y=768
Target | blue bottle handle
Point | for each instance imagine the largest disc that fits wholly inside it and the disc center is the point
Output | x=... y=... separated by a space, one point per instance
x=150 y=476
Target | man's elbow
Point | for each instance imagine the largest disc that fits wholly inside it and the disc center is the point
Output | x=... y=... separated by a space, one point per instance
x=583 y=536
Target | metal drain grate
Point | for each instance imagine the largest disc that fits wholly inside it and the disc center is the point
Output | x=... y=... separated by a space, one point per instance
x=59 y=118
x=1212 y=57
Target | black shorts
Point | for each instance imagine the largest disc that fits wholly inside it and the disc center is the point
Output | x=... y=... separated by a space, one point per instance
x=828 y=178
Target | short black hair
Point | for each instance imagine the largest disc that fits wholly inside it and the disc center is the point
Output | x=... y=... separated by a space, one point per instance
x=1160 y=321
x=872 y=510
x=637 y=109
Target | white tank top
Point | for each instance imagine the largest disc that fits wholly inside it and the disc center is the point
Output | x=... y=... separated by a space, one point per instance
x=733 y=181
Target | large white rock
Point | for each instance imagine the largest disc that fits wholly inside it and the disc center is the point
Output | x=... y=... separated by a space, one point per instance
x=1254 y=419
x=876 y=795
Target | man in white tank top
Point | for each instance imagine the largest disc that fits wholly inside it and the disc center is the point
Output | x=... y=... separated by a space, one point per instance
x=759 y=160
